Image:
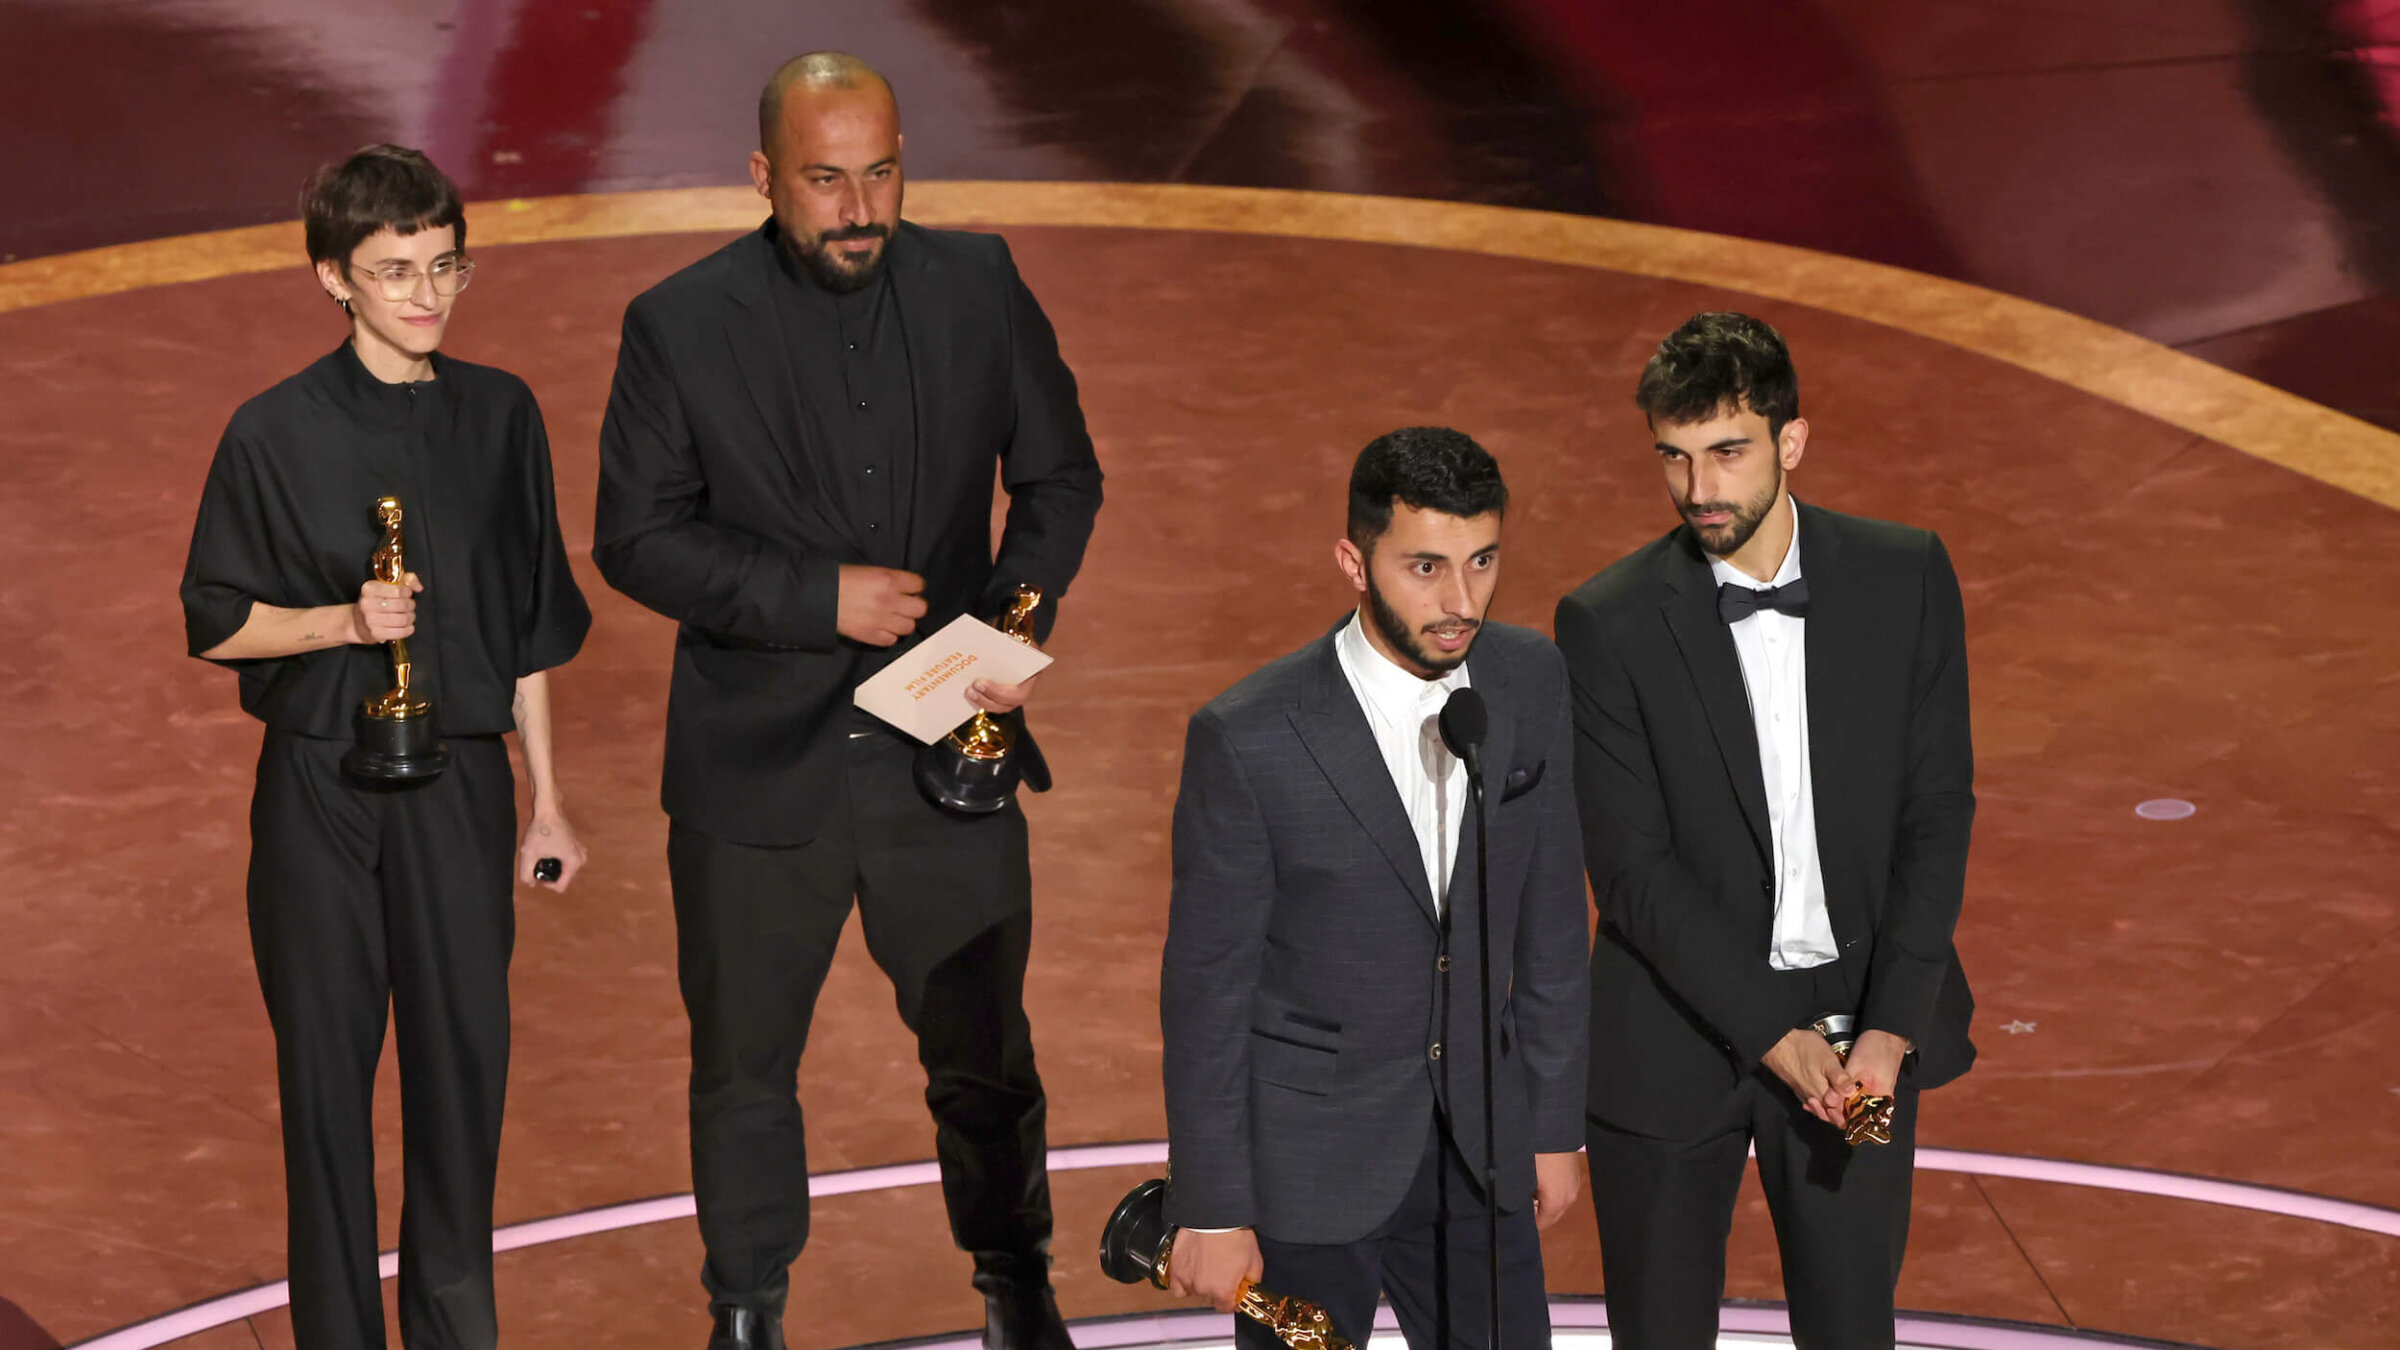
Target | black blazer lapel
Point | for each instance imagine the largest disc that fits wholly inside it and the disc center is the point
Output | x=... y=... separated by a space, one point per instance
x=930 y=325
x=1690 y=610
x=757 y=342
x=1838 y=632
x=1335 y=730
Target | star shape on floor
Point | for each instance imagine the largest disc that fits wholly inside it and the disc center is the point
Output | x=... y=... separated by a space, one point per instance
x=2019 y=1027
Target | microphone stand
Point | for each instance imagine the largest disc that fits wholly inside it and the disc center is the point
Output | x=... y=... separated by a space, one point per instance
x=1464 y=725
x=1483 y=958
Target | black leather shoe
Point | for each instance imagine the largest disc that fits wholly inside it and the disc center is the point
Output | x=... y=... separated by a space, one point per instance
x=740 y=1328
x=1018 y=1318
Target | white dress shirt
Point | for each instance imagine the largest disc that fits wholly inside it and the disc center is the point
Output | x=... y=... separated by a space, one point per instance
x=1405 y=714
x=1773 y=647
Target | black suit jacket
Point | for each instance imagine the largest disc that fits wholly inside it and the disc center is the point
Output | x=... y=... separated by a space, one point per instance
x=1675 y=817
x=716 y=510
x=1302 y=991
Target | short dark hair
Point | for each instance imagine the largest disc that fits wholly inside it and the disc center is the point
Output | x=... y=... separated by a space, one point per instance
x=382 y=187
x=1716 y=363
x=1428 y=468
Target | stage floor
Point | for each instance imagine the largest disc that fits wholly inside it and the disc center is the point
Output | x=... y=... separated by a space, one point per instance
x=2153 y=614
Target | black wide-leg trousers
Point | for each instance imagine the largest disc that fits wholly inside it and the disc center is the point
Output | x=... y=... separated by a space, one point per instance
x=1665 y=1209
x=360 y=902
x=1430 y=1258
x=944 y=902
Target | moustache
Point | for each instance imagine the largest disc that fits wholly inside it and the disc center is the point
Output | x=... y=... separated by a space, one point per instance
x=849 y=232
x=1460 y=626
x=1712 y=509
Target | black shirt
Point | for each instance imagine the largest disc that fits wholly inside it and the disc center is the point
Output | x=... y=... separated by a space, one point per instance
x=848 y=359
x=288 y=518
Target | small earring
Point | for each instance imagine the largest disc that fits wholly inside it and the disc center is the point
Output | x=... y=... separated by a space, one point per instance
x=343 y=301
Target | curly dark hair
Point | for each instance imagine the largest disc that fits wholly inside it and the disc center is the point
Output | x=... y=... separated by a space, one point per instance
x=1716 y=363
x=1428 y=468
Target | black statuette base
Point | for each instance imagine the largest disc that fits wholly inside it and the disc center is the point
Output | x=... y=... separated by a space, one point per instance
x=967 y=786
x=1130 y=1244
x=396 y=752
x=964 y=784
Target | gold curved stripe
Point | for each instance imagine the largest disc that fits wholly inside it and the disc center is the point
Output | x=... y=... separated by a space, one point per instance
x=2106 y=362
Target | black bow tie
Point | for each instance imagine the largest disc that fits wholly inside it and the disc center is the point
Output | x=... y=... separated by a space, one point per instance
x=1736 y=602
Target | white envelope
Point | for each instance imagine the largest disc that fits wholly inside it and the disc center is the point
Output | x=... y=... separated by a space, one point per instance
x=925 y=692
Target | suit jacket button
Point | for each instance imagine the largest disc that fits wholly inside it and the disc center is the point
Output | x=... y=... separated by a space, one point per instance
x=1435 y=1052
x=1441 y=962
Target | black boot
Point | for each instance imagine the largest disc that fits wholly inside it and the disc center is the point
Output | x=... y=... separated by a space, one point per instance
x=742 y=1328
x=1022 y=1317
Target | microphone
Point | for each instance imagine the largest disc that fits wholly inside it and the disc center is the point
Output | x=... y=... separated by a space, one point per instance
x=1464 y=725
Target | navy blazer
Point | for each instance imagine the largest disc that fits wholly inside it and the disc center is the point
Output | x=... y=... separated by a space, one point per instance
x=1302 y=994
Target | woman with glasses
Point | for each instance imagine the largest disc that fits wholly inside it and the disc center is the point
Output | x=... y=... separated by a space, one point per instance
x=362 y=899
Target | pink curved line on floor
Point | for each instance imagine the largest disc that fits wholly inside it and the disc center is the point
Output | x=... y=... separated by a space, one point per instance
x=233 y=1307
x=1572 y=1313
x=2171 y=1185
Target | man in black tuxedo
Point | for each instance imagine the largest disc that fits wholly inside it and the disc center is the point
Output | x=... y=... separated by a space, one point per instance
x=797 y=466
x=1774 y=770
x=1324 y=1062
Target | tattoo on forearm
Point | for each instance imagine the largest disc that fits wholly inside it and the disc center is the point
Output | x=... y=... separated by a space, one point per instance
x=312 y=637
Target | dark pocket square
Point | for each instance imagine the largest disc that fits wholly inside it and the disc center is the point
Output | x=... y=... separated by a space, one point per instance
x=1522 y=781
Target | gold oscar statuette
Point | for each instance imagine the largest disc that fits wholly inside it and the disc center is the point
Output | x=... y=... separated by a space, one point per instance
x=1138 y=1246
x=1296 y=1322
x=1867 y=1118
x=975 y=769
x=398 y=744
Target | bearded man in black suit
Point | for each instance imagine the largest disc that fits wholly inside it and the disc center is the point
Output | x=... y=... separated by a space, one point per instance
x=1776 y=783
x=797 y=466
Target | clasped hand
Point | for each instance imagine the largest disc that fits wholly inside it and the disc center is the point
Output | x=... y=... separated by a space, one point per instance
x=1807 y=1064
x=1215 y=1266
x=386 y=611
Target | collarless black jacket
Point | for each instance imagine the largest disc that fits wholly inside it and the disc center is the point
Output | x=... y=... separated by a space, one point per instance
x=717 y=510
x=1675 y=826
x=287 y=518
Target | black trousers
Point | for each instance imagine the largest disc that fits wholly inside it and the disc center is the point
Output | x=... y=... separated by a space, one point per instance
x=944 y=903
x=1665 y=1209
x=361 y=901
x=1430 y=1258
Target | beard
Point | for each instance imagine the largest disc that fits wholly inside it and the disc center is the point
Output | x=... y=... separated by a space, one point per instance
x=1727 y=539
x=1404 y=640
x=830 y=271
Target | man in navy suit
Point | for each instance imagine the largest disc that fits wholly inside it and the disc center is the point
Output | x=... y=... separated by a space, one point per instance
x=1324 y=1067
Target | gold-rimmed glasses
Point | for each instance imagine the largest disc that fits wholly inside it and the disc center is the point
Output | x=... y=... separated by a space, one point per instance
x=399 y=281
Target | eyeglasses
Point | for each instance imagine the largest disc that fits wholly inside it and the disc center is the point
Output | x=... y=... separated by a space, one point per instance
x=399 y=281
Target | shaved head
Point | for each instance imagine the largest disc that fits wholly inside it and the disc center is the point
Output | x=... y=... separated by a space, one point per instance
x=828 y=160
x=814 y=72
